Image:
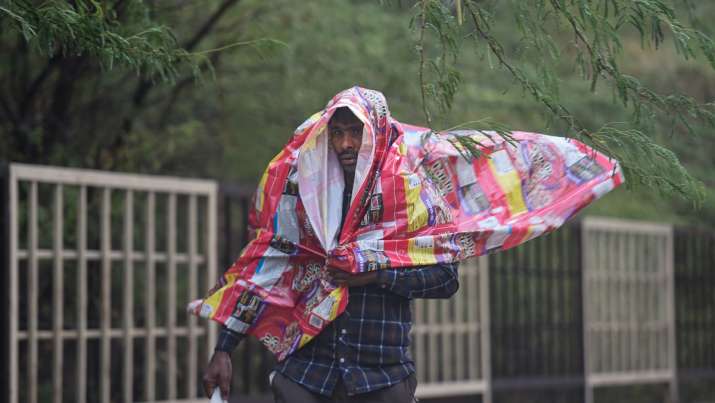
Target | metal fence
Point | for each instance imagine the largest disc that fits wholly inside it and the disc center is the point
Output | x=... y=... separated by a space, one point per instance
x=534 y=324
x=596 y=303
x=536 y=319
x=450 y=338
x=628 y=294
x=519 y=332
x=100 y=268
x=694 y=265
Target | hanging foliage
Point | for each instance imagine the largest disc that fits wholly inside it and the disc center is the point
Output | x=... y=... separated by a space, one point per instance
x=595 y=31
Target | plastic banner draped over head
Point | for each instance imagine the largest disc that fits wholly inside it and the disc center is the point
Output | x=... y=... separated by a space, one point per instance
x=418 y=198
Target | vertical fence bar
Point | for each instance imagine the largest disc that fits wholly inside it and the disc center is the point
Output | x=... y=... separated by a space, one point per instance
x=149 y=341
x=627 y=284
x=211 y=261
x=670 y=315
x=651 y=317
x=419 y=339
x=697 y=330
x=106 y=319
x=709 y=284
x=574 y=255
x=520 y=289
x=32 y=296
x=171 y=297
x=546 y=308
x=553 y=260
x=587 y=247
x=464 y=326
x=501 y=313
x=57 y=297
x=632 y=309
x=651 y=348
x=193 y=293
x=484 y=313
x=128 y=298
x=708 y=260
x=665 y=324
x=478 y=332
x=562 y=316
x=532 y=344
x=640 y=295
x=13 y=304
x=434 y=330
x=601 y=268
x=82 y=295
x=611 y=294
x=701 y=328
x=447 y=333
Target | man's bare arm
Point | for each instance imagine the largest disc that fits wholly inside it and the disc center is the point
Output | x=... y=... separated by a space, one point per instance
x=219 y=370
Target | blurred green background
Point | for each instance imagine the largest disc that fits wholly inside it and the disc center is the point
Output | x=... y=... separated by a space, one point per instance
x=230 y=123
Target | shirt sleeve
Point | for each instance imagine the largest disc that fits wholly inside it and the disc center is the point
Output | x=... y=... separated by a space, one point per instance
x=242 y=318
x=228 y=340
x=438 y=281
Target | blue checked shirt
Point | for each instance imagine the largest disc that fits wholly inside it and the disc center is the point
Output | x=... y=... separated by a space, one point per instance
x=368 y=344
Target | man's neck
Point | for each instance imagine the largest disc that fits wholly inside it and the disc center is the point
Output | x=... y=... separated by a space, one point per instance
x=349 y=179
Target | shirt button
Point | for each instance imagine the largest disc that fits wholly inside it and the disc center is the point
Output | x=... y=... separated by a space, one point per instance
x=344 y=331
x=342 y=360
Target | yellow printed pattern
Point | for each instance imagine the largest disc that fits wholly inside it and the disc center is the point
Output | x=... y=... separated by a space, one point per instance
x=417 y=214
x=338 y=294
x=508 y=179
x=421 y=254
x=214 y=300
x=304 y=340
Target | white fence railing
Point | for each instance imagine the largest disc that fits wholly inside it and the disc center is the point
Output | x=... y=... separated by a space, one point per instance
x=628 y=291
x=100 y=265
x=450 y=338
x=82 y=241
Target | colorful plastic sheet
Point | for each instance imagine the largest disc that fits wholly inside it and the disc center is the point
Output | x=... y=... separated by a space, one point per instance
x=418 y=198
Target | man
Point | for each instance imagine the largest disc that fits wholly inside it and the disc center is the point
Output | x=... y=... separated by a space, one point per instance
x=362 y=356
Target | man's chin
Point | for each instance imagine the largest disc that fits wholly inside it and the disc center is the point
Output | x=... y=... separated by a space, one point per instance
x=348 y=168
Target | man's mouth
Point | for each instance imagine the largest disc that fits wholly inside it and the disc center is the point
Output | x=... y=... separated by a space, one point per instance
x=348 y=159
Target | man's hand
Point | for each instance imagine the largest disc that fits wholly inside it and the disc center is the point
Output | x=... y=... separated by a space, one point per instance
x=218 y=373
x=342 y=278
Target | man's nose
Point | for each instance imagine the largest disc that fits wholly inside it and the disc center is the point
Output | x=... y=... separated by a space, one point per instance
x=347 y=143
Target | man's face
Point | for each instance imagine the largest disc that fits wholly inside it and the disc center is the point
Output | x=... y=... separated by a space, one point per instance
x=346 y=138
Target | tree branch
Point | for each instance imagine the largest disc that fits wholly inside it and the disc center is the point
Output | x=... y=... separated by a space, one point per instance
x=56 y=122
x=144 y=86
x=423 y=84
x=600 y=63
x=8 y=110
x=557 y=109
x=36 y=84
x=166 y=113
x=209 y=24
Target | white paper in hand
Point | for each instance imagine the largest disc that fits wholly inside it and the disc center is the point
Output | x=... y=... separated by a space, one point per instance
x=216 y=396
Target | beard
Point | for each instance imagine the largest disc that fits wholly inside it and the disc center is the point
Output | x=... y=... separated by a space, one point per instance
x=350 y=156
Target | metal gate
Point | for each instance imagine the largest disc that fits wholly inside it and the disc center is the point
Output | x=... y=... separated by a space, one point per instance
x=100 y=267
x=451 y=337
x=629 y=323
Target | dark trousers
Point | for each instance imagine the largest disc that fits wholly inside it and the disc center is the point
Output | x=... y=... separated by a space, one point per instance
x=287 y=391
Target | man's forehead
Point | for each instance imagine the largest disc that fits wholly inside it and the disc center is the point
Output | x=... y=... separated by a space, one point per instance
x=349 y=124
